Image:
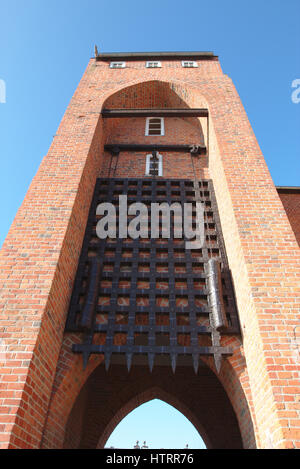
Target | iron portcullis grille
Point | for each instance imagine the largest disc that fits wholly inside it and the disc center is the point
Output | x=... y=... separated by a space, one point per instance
x=153 y=297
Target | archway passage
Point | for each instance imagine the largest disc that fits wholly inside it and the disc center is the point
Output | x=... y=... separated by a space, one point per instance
x=155 y=425
x=107 y=397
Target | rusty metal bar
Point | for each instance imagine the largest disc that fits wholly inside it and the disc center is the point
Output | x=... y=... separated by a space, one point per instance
x=90 y=306
x=164 y=112
x=215 y=294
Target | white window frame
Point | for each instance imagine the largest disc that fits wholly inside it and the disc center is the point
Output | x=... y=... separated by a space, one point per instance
x=185 y=63
x=162 y=127
x=160 y=164
x=117 y=65
x=156 y=62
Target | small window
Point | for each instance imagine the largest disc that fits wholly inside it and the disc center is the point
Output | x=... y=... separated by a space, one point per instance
x=189 y=64
x=154 y=165
x=155 y=126
x=117 y=64
x=153 y=64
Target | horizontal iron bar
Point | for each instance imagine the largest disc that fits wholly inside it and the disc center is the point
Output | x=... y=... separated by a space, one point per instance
x=145 y=291
x=165 y=329
x=118 y=147
x=189 y=112
x=146 y=328
x=157 y=349
x=163 y=275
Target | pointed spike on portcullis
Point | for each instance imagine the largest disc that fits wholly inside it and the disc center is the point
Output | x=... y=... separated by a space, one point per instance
x=218 y=362
x=173 y=362
x=85 y=357
x=129 y=361
x=196 y=363
x=107 y=361
x=151 y=361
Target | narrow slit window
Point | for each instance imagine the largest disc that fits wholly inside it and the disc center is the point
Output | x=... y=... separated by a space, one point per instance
x=155 y=126
x=154 y=165
x=189 y=64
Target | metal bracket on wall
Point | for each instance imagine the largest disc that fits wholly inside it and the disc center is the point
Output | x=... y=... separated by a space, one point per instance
x=116 y=148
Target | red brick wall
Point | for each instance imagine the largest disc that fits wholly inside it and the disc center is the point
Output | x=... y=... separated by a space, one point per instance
x=76 y=421
x=291 y=202
x=42 y=378
x=132 y=130
x=175 y=165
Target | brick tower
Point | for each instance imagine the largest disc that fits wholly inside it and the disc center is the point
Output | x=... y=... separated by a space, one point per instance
x=92 y=328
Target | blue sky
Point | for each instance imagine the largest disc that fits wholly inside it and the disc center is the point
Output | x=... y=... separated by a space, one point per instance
x=154 y=422
x=45 y=47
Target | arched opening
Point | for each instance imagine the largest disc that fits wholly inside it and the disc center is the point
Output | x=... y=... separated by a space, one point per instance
x=131 y=130
x=155 y=424
x=108 y=397
x=155 y=95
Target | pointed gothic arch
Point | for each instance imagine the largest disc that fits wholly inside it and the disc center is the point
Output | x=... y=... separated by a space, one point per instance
x=107 y=397
x=147 y=396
